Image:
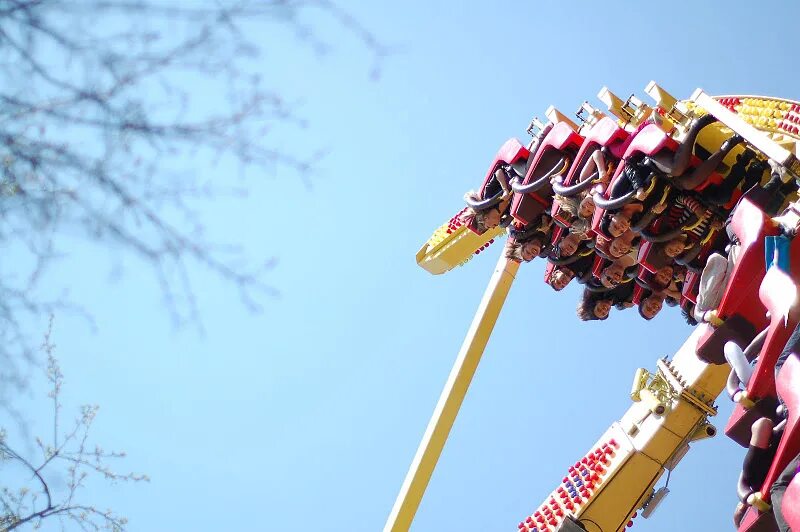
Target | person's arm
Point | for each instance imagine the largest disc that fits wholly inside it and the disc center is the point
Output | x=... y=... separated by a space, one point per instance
x=658 y=208
x=502 y=178
x=588 y=168
x=603 y=170
x=503 y=205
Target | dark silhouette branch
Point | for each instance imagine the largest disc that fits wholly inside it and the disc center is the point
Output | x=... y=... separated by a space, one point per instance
x=101 y=129
x=67 y=451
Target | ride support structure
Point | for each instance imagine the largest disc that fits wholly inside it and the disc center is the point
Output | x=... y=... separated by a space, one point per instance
x=674 y=401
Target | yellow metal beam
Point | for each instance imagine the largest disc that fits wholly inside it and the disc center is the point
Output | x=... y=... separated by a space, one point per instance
x=755 y=137
x=646 y=442
x=556 y=116
x=430 y=448
x=662 y=98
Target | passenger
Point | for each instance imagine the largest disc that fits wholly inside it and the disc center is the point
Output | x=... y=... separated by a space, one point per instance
x=756 y=463
x=525 y=250
x=626 y=243
x=593 y=306
x=679 y=215
x=621 y=296
x=677 y=245
x=617 y=223
x=792 y=348
x=524 y=245
x=663 y=277
x=581 y=228
x=651 y=305
x=577 y=206
x=714 y=281
x=560 y=278
x=481 y=220
x=543 y=224
x=579 y=211
x=614 y=273
x=676 y=164
x=778 y=490
x=780 y=185
x=739 y=174
x=568 y=245
x=582 y=268
x=665 y=280
x=597 y=163
x=634 y=176
x=686 y=313
x=782 y=482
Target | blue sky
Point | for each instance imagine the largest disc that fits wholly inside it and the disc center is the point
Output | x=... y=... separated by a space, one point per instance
x=307 y=415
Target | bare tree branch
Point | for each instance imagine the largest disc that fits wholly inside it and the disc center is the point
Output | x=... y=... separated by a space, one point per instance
x=99 y=113
x=33 y=501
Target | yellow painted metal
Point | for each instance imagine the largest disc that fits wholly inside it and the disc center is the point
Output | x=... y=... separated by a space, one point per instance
x=651 y=439
x=556 y=116
x=774 y=116
x=630 y=478
x=662 y=98
x=616 y=106
x=757 y=500
x=445 y=250
x=430 y=448
x=758 y=129
x=650 y=443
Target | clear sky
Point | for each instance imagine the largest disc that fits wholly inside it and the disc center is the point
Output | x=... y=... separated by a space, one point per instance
x=307 y=415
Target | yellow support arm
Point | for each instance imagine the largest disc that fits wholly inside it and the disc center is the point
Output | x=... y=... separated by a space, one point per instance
x=453 y=245
x=430 y=448
x=616 y=477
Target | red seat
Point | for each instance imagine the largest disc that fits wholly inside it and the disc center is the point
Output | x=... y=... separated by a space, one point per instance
x=557 y=234
x=639 y=293
x=606 y=133
x=561 y=141
x=751 y=226
x=779 y=294
x=548 y=271
x=651 y=257
x=740 y=424
x=648 y=140
x=788 y=386
x=755 y=521
x=599 y=264
x=512 y=151
x=791 y=504
x=741 y=310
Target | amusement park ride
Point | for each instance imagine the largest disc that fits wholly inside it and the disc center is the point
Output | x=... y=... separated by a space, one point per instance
x=755 y=314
